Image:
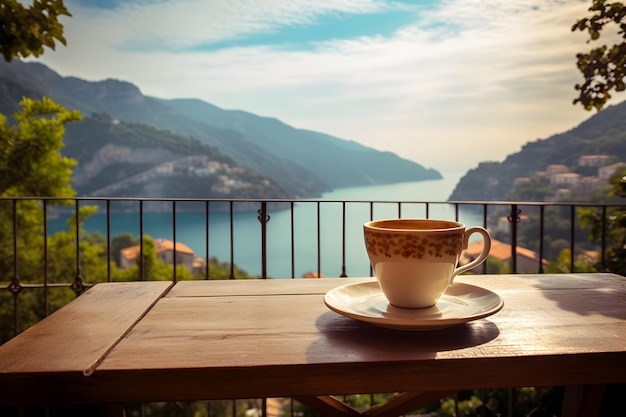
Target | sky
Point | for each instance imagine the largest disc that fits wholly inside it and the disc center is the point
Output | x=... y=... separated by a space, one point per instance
x=445 y=83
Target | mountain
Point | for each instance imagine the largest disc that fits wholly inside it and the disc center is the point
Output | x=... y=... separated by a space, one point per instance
x=303 y=163
x=337 y=162
x=603 y=133
x=126 y=159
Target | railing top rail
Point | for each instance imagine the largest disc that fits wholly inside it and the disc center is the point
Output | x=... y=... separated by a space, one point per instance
x=320 y=200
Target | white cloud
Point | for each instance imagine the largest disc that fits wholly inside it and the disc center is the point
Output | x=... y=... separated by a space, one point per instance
x=182 y=24
x=470 y=80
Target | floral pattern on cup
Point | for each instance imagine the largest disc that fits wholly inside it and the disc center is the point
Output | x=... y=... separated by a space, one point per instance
x=413 y=246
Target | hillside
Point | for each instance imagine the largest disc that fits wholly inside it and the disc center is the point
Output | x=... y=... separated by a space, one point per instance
x=337 y=162
x=129 y=160
x=603 y=133
x=302 y=162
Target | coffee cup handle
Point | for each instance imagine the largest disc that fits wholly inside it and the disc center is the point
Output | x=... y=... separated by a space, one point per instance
x=483 y=254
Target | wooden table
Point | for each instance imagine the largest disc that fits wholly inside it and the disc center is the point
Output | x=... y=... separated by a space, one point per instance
x=193 y=340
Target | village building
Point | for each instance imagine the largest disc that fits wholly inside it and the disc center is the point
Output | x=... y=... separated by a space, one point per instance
x=504 y=225
x=164 y=251
x=605 y=172
x=593 y=160
x=527 y=260
x=587 y=186
x=565 y=178
x=556 y=169
x=561 y=194
x=166 y=168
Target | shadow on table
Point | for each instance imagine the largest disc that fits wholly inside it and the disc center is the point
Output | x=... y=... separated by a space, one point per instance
x=348 y=339
x=605 y=298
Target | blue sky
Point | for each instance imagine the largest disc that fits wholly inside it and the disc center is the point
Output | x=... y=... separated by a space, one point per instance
x=445 y=83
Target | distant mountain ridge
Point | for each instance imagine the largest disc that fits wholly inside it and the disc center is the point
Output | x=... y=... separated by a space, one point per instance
x=303 y=163
x=603 y=133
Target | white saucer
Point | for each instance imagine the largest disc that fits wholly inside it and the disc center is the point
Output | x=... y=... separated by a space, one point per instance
x=365 y=301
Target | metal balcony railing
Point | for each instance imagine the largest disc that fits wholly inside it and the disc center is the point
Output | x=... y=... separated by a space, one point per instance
x=260 y=238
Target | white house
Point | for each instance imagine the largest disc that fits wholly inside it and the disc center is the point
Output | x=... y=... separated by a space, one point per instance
x=565 y=178
x=592 y=160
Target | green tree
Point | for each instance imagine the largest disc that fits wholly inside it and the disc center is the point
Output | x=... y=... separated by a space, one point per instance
x=152 y=268
x=26 y=31
x=119 y=242
x=562 y=265
x=612 y=227
x=604 y=67
x=30 y=160
x=30 y=165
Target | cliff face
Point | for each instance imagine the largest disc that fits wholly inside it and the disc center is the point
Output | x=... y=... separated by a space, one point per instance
x=116 y=158
x=111 y=154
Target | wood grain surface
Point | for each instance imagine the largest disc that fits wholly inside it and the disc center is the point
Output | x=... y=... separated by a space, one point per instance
x=265 y=338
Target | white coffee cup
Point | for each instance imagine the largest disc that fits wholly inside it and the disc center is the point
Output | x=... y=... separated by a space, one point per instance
x=415 y=260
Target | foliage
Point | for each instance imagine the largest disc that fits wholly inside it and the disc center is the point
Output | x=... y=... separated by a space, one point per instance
x=119 y=242
x=52 y=261
x=30 y=161
x=610 y=228
x=563 y=263
x=604 y=67
x=30 y=165
x=25 y=32
x=151 y=267
x=496 y=266
x=536 y=189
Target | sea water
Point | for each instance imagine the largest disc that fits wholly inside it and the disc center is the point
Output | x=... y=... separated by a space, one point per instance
x=323 y=235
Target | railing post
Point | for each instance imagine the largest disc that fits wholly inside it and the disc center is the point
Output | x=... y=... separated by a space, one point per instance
x=514 y=219
x=263 y=219
x=175 y=249
x=232 y=240
x=572 y=236
x=319 y=242
x=46 y=290
x=206 y=238
x=485 y=225
x=603 y=243
x=293 y=240
x=108 y=235
x=16 y=286
x=79 y=283
x=142 y=264
x=343 y=240
x=541 y=232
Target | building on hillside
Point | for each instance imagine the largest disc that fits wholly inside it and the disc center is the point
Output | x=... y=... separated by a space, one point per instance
x=561 y=194
x=164 y=251
x=504 y=225
x=199 y=265
x=556 y=169
x=587 y=186
x=593 y=160
x=166 y=168
x=527 y=260
x=605 y=172
x=565 y=178
x=521 y=180
x=313 y=274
